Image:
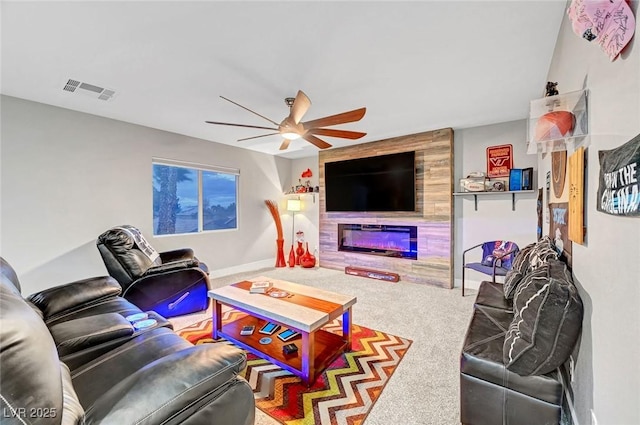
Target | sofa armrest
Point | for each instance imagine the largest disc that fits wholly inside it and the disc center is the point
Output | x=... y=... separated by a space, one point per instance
x=79 y=334
x=177 y=255
x=174 y=386
x=172 y=266
x=71 y=295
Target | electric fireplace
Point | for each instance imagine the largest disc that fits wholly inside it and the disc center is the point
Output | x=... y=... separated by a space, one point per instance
x=386 y=240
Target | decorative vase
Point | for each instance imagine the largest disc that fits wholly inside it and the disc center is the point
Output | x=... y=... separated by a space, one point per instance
x=292 y=257
x=307 y=260
x=299 y=252
x=280 y=254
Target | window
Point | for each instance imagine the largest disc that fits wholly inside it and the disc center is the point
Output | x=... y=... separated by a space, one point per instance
x=192 y=198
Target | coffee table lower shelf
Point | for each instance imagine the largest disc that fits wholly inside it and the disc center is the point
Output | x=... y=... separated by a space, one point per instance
x=326 y=347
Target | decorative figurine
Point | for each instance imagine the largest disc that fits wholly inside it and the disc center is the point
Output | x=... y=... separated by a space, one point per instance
x=300 y=188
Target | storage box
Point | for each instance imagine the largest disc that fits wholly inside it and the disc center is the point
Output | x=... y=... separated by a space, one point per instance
x=473 y=184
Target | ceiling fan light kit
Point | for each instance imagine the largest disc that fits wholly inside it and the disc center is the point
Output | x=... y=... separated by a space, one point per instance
x=291 y=136
x=291 y=128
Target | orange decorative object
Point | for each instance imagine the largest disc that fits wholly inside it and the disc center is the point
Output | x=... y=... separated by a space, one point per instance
x=576 y=196
x=273 y=209
x=280 y=254
x=292 y=257
x=308 y=260
x=554 y=125
x=299 y=253
x=307 y=173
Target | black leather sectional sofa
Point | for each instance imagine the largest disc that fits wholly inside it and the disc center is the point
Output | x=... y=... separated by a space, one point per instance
x=521 y=334
x=69 y=356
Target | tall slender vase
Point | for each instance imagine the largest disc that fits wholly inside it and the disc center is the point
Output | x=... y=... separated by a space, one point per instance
x=292 y=257
x=299 y=252
x=280 y=255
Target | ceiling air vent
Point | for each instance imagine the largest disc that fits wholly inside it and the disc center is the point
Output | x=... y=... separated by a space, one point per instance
x=87 y=89
x=71 y=85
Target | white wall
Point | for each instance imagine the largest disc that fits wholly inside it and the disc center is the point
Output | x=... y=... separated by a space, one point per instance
x=607 y=267
x=68 y=176
x=494 y=219
x=307 y=220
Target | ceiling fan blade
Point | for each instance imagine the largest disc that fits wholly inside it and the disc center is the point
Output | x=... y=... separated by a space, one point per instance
x=285 y=144
x=240 y=125
x=345 y=117
x=345 y=134
x=300 y=106
x=314 y=140
x=247 y=109
x=255 y=137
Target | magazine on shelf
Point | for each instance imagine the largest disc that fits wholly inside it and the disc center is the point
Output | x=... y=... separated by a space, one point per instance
x=260 y=287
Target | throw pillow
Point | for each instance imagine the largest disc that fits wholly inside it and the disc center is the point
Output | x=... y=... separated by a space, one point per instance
x=518 y=270
x=547 y=321
x=543 y=251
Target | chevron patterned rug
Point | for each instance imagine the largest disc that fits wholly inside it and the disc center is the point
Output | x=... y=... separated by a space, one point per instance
x=342 y=395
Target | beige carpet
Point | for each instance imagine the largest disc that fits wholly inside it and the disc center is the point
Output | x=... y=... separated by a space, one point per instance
x=424 y=390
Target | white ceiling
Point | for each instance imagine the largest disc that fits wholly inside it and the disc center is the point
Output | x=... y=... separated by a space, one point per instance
x=416 y=66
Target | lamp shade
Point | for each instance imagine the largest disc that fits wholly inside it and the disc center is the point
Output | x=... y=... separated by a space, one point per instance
x=293 y=205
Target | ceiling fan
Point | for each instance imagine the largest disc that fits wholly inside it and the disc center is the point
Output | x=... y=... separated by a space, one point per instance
x=291 y=128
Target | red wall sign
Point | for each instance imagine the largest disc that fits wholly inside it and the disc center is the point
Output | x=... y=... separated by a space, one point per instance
x=499 y=160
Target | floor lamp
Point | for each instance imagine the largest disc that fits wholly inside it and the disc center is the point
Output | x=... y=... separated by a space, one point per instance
x=293 y=205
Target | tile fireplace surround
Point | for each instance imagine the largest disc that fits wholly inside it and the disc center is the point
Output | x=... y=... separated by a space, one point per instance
x=433 y=218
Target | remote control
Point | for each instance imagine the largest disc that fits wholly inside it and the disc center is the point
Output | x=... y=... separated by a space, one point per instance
x=247 y=330
x=290 y=348
x=269 y=328
x=287 y=335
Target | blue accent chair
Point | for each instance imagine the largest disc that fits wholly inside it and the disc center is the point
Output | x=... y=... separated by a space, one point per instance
x=497 y=259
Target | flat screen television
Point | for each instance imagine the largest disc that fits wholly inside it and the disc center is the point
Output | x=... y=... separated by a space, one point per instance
x=373 y=184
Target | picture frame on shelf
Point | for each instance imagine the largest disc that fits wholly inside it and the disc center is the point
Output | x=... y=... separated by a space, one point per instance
x=521 y=179
x=527 y=178
x=515 y=179
x=499 y=160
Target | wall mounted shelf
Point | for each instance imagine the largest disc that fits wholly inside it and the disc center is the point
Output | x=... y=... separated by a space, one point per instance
x=476 y=194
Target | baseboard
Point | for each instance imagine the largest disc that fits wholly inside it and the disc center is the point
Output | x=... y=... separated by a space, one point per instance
x=241 y=268
x=468 y=284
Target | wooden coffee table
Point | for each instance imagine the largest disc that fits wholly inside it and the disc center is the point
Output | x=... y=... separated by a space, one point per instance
x=305 y=309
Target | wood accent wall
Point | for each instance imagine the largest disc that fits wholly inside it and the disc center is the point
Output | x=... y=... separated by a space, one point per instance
x=433 y=216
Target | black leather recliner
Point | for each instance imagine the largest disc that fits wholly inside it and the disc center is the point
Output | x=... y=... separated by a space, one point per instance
x=172 y=283
x=155 y=377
